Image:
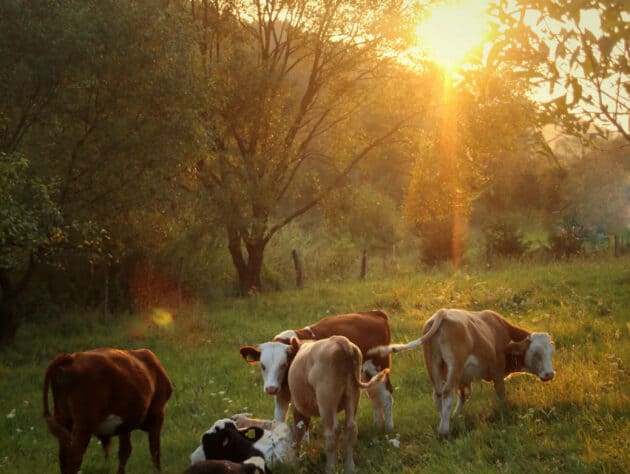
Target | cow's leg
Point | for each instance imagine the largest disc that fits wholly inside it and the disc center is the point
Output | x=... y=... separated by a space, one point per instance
x=350 y=431
x=106 y=442
x=300 y=427
x=448 y=394
x=282 y=399
x=463 y=392
x=75 y=451
x=124 y=451
x=154 y=439
x=331 y=430
x=499 y=388
x=378 y=408
x=387 y=400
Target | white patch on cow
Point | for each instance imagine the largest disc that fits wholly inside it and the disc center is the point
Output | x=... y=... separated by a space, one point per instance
x=256 y=461
x=288 y=334
x=539 y=354
x=220 y=425
x=197 y=456
x=273 y=365
x=472 y=370
x=109 y=425
x=277 y=444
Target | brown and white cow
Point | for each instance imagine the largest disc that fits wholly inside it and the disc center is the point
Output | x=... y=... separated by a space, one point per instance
x=365 y=329
x=464 y=346
x=324 y=379
x=105 y=392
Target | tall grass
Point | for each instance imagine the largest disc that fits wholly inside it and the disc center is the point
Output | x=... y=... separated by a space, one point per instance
x=579 y=422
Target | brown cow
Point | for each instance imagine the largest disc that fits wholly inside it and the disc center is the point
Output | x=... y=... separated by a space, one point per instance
x=324 y=379
x=105 y=392
x=464 y=346
x=366 y=329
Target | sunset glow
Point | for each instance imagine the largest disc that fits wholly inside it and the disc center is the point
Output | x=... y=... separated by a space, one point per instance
x=452 y=31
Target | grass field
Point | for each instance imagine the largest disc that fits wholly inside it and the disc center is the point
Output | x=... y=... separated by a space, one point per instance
x=579 y=422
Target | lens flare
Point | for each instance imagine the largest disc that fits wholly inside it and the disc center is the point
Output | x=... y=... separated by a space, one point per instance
x=162 y=317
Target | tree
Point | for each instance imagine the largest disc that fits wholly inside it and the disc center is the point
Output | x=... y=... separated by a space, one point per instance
x=480 y=119
x=288 y=82
x=96 y=94
x=574 y=52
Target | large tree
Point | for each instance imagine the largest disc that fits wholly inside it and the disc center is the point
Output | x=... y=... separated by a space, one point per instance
x=576 y=55
x=95 y=95
x=289 y=83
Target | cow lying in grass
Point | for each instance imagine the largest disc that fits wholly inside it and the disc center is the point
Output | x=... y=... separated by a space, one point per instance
x=464 y=346
x=275 y=443
x=365 y=329
x=324 y=379
x=226 y=448
x=105 y=392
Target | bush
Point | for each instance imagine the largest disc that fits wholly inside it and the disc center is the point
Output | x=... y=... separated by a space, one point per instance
x=505 y=239
x=567 y=240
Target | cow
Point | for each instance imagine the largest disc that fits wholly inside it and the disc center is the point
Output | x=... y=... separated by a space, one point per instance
x=464 y=346
x=105 y=392
x=227 y=448
x=365 y=329
x=275 y=444
x=324 y=379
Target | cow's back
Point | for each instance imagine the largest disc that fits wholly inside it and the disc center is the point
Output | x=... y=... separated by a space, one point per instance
x=92 y=385
x=463 y=334
x=366 y=329
x=323 y=368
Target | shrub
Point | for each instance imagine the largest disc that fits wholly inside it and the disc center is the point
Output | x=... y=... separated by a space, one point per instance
x=505 y=239
x=567 y=240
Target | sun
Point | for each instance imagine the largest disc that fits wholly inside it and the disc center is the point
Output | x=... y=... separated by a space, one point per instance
x=452 y=31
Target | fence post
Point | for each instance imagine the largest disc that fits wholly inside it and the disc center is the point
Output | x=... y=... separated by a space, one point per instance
x=363 y=265
x=297 y=264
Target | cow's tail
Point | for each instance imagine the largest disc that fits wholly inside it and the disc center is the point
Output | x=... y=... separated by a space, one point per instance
x=56 y=428
x=436 y=322
x=357 y=362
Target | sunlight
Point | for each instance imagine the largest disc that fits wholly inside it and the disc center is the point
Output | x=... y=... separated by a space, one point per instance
x=452 y=31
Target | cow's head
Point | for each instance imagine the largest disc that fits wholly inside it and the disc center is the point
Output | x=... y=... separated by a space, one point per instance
x=536 y=351
x=225 y=441
x=274 y=359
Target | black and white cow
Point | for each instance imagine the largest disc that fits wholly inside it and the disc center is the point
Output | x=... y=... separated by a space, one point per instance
x=249 y=446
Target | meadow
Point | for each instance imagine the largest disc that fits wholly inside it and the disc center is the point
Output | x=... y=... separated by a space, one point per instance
x=579 y=422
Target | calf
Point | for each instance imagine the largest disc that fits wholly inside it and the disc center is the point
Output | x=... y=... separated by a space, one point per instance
x=275 y=444
x=105 y=392
x=464 y=346
x=365 y=329
x=324 y=379
x=226 y=448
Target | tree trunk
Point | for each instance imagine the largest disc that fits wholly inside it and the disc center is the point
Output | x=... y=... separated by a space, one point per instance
x=615 y=240
x=299 y=282
x=248 y=271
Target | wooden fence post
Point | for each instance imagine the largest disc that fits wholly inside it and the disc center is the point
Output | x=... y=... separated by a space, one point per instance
x=297 y=264
x=363 y=265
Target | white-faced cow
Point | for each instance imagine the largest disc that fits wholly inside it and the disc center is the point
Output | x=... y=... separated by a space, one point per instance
x=463 y=346
x=276 y=442
x=226 y=448
x=365 y=329
x=324 y=379
x=105 y=392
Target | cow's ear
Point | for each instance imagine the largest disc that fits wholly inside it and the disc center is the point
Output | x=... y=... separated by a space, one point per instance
x=251 y=354
x=517 y=348
x=253 y=433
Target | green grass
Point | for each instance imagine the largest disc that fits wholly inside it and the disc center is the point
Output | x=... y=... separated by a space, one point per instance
x=579 y=422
